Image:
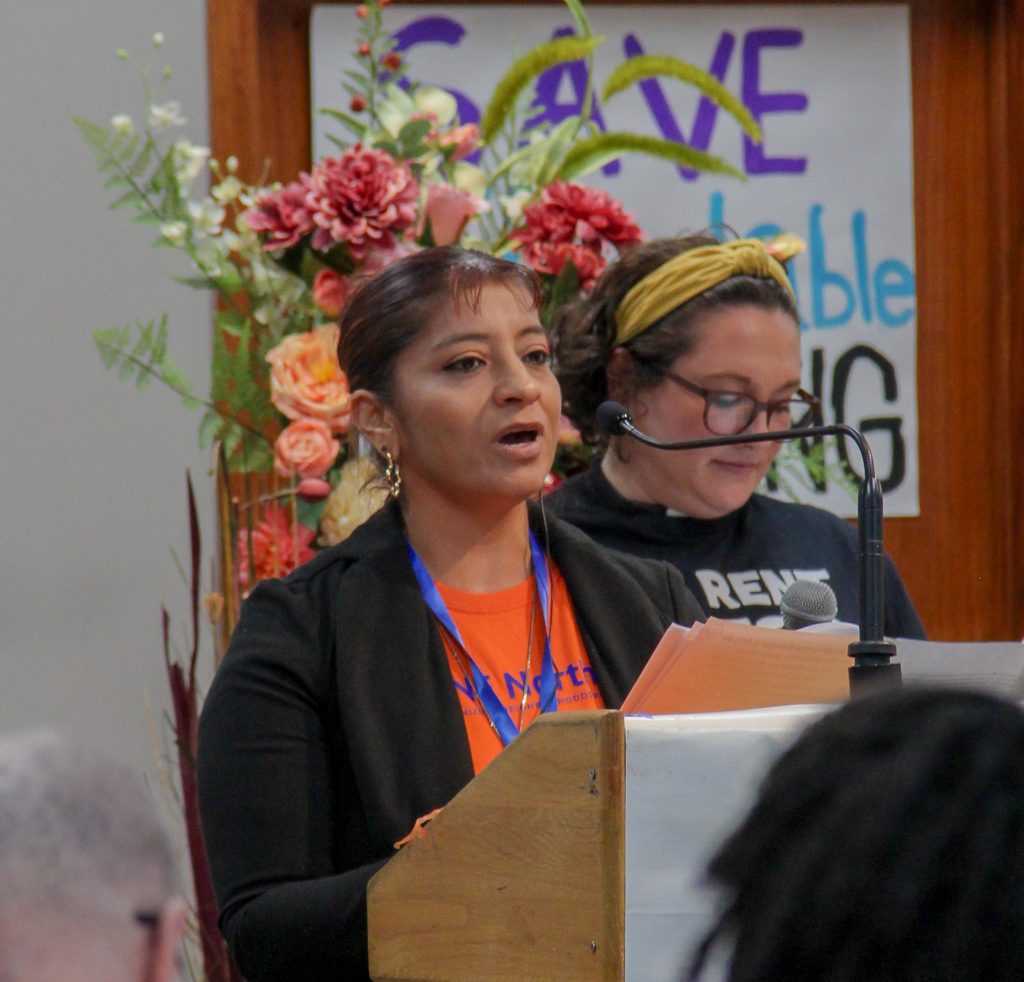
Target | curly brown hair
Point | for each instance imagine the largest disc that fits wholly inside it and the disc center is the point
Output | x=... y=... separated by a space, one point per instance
x=584 y=331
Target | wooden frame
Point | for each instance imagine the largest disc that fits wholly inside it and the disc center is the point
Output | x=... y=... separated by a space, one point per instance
x=963 y=558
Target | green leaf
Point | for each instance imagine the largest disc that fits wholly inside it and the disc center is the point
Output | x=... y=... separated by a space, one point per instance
x=411 y=134
x=309 y=512
x=523 y=71
x=210 y=427
x=595 y=151
x=349 y=122
x=96 y=137
x=562 y=290
x=641 y=67
x=234 y=323
x=142 y=160
x=238 y=388
x=130 y=199
x=549 y=152
x=117 y=181
x=145 y=359
x=360 y=78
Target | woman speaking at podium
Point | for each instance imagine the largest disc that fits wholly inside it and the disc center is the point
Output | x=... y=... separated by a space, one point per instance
x=365 y=690
x=698 y=338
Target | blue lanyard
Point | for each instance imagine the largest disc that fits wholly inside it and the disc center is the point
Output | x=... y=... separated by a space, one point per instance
x=494 y=708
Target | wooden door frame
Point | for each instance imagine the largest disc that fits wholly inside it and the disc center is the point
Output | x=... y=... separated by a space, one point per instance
x=963 y=557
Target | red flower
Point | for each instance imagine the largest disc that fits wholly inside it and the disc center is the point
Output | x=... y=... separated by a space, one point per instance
x=361 y=198
x=392 y=61
x=330 y=291
x=574 y=221
x=283 y=215
x=278 y=547
x=550 y=260
x=357 y=103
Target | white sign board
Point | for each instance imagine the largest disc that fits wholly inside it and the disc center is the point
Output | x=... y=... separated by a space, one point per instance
x=830 y=86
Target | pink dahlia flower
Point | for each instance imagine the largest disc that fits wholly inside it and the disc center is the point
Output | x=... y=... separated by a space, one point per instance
x=361 y=198
x=282 y=216
x=278 y=546
x=306 y=380
x=305 y=448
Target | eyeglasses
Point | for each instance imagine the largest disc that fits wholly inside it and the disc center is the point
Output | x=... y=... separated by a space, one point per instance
x=729 y=413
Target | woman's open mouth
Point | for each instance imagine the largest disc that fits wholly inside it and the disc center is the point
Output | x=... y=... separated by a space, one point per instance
x=521 y=442
x=517 y=437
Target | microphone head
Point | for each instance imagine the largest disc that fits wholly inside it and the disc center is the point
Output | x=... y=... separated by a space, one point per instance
x=806 y=602
x=610 y=416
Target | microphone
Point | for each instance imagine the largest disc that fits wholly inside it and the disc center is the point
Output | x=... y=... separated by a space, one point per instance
x=872 y=668
x=807 y=602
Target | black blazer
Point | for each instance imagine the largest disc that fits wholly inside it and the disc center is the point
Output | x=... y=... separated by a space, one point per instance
x=333 y=724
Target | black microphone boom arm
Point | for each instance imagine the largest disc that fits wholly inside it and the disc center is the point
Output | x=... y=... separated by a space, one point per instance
x=871 y=654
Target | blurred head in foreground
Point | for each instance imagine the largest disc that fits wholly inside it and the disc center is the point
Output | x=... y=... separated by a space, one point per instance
x=887 y=843
x=88 y=885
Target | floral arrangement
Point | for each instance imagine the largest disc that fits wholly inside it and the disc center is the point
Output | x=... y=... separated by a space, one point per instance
x=281 y=260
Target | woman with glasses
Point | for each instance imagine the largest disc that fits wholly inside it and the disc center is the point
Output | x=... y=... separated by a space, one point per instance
x=696 y=338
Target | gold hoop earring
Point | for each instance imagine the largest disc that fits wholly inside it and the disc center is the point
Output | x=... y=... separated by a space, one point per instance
x=392 y=475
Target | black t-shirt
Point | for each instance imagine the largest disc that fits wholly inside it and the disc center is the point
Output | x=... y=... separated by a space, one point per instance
x=737 y=566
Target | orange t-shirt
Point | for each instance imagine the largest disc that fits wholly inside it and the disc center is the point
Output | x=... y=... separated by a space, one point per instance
x=495 y=628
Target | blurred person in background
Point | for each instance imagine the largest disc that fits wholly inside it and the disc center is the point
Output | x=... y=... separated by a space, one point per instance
x=886 y=845
x=88 y=883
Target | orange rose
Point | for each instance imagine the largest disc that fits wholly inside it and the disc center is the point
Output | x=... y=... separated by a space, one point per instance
x=464 y=138
x=306 y=380
x=305 y=448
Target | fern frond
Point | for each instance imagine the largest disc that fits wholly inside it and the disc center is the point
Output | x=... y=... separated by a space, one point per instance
x=523 y=71
x=642 y=67
x=142 y=354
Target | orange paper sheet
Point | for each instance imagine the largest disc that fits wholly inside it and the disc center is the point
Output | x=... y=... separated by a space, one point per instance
x=722 y=665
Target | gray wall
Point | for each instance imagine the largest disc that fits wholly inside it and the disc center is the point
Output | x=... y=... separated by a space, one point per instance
x=92 y=497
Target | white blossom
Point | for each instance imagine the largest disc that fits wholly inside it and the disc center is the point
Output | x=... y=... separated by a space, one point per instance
x=207 y=216
x=174 y=232
x=168 y=114
x=158 y=39
x=188 y=162
x=227 y=190
x=122 y=123
x=514 y=204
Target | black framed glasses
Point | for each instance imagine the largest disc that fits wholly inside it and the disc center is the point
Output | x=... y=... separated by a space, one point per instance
x=729 y=413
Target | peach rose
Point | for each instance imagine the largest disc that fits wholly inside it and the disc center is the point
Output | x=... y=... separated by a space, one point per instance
x=464 y=138
x=306 y=380
x=305 y=448
x=329 y=291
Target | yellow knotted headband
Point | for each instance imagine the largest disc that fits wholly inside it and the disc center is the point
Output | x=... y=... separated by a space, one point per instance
x=688 y=275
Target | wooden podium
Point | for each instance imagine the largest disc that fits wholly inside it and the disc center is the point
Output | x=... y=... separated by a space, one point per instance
x=577 y=853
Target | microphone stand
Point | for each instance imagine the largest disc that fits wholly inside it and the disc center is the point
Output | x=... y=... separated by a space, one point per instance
x=872 y=669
